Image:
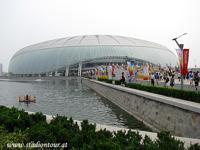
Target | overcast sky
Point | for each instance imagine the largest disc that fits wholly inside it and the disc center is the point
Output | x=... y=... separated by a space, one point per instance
x=26 y=22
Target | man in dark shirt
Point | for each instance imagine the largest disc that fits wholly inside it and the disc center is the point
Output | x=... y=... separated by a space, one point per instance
x=196 y=80
x=122 y=78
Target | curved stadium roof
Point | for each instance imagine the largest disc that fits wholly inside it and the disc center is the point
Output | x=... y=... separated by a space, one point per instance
x=54 y=54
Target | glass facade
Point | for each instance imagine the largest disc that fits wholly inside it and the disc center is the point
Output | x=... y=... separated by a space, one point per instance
x=52 y=55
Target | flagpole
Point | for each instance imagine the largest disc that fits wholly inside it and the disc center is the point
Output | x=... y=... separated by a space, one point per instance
x=181 y=63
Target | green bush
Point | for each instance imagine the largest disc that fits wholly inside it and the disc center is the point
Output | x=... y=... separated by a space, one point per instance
x=194 y=147
x=102 y=79
x=41 y=132
x=14 y=119
x=149 y=144
x=64 y=130
x=13 y=137
x=186 y=95
x=181 y=94
x=105 y=80
x=167 y=142
x=129 y=140
x=37 y=117
x=117 y=82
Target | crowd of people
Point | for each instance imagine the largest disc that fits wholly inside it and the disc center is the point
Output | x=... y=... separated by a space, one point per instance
x=160 y=76
x=169 y=77
x=194 y=78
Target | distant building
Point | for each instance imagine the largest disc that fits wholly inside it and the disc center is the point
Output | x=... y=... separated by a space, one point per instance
x=1 y=70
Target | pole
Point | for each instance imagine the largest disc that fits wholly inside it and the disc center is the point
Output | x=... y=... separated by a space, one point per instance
x=182 y=66
x=181 y=63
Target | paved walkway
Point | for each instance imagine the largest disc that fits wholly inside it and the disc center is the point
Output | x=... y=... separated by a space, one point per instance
x=177 y=85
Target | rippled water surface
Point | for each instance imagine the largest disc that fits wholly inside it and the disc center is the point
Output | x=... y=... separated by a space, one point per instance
x=69 y=98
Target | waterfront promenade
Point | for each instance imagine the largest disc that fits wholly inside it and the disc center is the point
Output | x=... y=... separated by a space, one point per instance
x=177 y=84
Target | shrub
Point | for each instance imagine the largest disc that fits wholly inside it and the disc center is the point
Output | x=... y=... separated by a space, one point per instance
x=41 y=132
x=167 y=142
x=194 y=147
x=103 y=77
x=149 y=144
x=186 y=95
x=14 y=119
x=37 y=117
x=129 y=140
x=13 y=137
x=117 y=82
x=64 y=130
x=181 y=94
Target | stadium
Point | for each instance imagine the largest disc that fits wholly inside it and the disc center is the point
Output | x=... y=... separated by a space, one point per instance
x=74 y=55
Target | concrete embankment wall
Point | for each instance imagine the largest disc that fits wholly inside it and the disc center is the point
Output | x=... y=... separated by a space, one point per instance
x=181 y=118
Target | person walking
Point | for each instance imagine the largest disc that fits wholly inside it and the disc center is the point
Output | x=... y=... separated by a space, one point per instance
x=136 y=75
x=190 y=75
x=157 y=77
x=152 y=79
x=172 y=81
x=122 y=80
x=196 y=80
x=166 y=81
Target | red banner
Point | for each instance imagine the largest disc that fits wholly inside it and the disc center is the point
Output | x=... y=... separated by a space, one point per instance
x=184 y=65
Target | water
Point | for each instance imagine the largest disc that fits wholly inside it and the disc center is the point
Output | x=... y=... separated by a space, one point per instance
x=69 y=98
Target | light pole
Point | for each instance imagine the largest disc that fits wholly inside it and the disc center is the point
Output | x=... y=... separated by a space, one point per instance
x=181 y=63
